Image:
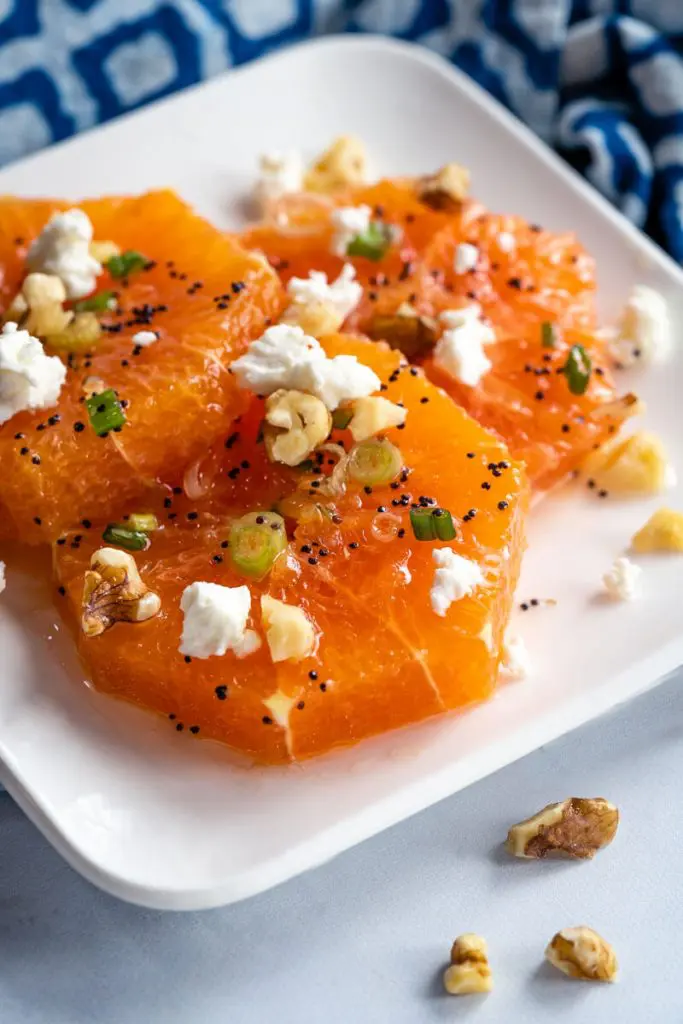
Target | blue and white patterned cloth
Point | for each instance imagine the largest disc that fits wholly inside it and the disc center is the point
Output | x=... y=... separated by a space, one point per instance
x=601 y=80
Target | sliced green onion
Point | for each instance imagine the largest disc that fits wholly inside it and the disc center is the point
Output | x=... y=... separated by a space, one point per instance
x=371 y=243
x=143 y=522
x=105 y=412
x=375 y=461
x=125 y=264
x=97 y=303
x=124 y=537
x=341 y=418
x=577 y=369
x=256 y=540
x=548 y=335
x=432 y=524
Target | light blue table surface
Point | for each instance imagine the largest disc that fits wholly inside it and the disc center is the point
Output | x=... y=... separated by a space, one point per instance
x=363 y=940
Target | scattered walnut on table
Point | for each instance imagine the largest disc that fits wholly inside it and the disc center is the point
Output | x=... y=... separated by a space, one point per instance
x=469 y=972
x=582 y=954
x=577 y=827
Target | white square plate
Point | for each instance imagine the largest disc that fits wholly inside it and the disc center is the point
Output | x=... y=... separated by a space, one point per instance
x=171 y=823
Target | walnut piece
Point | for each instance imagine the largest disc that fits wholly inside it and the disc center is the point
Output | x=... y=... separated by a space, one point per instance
x=373 y=415
x=104 y=251
x=404 y=330
x=314 y=318
x=114 y=592
x=577 y=827
x=469 y=972
x=295 y=424
x=662 y=532
x=78 y=336
x=633 y=465
x=446 y=189
x=341 y=166
x=583 y=954
x=289 y=631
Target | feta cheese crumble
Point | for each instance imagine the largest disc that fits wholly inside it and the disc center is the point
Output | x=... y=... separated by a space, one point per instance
x=506 y=241
x=145 y=338
x=63 y=248
x=623 y=579
x=280 y=173
x=454 y=578
x=466 y=257
x=644 y=332
x=460 y=350
x=343 y=295
x=215 y=621
x=516 y=663
x=29 y=379
x=285 y=357
x=348 y=222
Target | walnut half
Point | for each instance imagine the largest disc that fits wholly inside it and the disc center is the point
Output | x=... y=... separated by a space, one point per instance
x=577 y=827
x=583 y=954
x=446 y=189
x=295 y=424
x=469 y=972
x=114 y=592
x=405 y=330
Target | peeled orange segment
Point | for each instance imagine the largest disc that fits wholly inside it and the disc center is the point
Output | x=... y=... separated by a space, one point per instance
x=523 y=274
x=383 y=657
x=205 y=298
x=526 y=399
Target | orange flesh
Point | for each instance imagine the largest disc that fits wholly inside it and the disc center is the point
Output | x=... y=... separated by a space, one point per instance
x=383 y=658
x=546 y=278
x=180 y=396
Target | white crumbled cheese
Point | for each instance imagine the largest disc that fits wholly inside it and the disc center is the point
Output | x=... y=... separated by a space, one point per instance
x=63 y=248
x=285 y=357
x=466 y=257
x=280 y=173
x=622 y=582
x=644 y=331
x=516 y=663
x=506 y=241
x=29 y=379
x=216 y=621
x=343 y=295
x=3 y=581
x=454 y=578
x=348 y=222
x=460 y=349
x=145 y=338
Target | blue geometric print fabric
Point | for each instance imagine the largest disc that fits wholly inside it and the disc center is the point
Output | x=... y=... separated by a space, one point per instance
x=601 y=80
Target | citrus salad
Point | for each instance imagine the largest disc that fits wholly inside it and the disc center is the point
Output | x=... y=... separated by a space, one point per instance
x=285 y=473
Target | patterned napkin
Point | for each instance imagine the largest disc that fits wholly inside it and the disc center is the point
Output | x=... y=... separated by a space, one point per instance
x=601 y=80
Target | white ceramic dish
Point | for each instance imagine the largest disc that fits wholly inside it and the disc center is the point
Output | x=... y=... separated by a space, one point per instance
x=168 y=822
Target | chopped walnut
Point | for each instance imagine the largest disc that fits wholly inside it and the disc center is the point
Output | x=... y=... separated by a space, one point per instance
x=114 y=592
x=289 y=631
x=662 y=532
x=405 y=330
x=583 y=954
x=374 y=414
x=314 y=318
x=631 y=466
x=576 y=827
x=295 y=424
x=446 y=189
x=104 y=251
x=78 y=336
x=39 y=306
x=469 y=972
x=341 y=166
